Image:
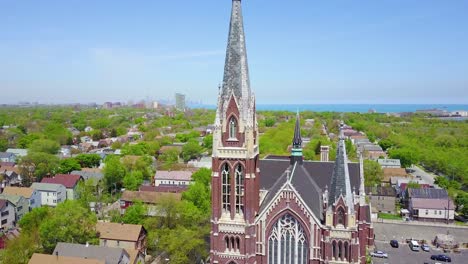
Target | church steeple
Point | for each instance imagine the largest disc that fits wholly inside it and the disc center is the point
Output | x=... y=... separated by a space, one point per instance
x=296 y=151
x=340 y=183
x=236 y=72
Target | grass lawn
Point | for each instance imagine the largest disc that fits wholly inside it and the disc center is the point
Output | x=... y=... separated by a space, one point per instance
x=389 y=216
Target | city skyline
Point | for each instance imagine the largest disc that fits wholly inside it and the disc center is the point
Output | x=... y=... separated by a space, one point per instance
x=328 y=53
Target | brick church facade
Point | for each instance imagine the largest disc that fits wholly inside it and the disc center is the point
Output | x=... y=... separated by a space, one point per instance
x=278 y=210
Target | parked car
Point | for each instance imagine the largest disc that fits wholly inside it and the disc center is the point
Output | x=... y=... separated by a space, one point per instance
x=379 y=254
x=425 y=247
x=394 y=243
x=461 y=218
x=441 y=257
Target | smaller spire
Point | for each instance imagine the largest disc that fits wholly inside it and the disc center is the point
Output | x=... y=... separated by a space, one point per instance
x=296 y=151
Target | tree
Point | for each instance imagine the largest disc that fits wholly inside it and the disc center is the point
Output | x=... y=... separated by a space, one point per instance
x=406 y=156
x=68 y=165
x=69 y=222
x=132 y=180
x=88 y=160
x=19 y=250
x=37 y=165
x=114 y=171
x=269 y=122
x=413 y=185
x=86 y=192
x=135 y=214
x=191 y=150
x=208 y=141
x=372 y=173
x=385 y=144
x=45 y=145
x=3 y=145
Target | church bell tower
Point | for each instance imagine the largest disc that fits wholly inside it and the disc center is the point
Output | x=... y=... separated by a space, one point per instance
x=235 y=176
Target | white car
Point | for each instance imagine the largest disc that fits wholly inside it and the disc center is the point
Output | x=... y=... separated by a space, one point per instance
x=379 y=254
x=425 y=247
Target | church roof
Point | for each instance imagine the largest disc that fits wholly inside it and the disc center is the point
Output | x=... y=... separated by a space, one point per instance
x=340 y=182
x=309 y=179
x=236 y=72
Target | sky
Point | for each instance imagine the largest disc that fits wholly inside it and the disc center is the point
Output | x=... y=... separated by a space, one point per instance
x=299 y=51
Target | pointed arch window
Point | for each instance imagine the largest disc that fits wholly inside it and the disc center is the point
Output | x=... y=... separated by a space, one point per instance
x=340 y=216
x=239 y=189
x=233 y=128
x=226 y=188
x=287 y=242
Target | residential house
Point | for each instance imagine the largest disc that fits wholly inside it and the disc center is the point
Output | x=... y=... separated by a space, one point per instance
x=389 y=163
x=109 y=255
x=164 y=188
x=172 y=177
x=51 y=193
x=151 y=199
x=122 y=236
x=19 y=203
x=382 y=199
x=7 y=157
x=90 y=174
x=33 y=197
x=51 y=259
x=7 y=214
x=388 y=173
x=10 y=176
x=429 y=204
x=19 y=153
x=70 y=181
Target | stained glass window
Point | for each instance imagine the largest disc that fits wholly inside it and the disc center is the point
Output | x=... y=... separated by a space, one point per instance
x=287 y=243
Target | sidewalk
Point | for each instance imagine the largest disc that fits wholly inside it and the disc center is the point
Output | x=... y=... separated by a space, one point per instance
x=419 y=223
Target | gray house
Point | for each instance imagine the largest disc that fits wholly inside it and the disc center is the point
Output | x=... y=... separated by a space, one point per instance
x=7 y=214
x=382 y=199
x=19 y=203
x=7 y=157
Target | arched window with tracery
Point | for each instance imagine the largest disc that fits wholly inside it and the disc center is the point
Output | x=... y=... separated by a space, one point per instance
x=287 y=243
x=237 y=244
x=239 y=189
x=226 y=188
x=334 y=251
x=232 y=128
x=340 y=216
x=226 y=239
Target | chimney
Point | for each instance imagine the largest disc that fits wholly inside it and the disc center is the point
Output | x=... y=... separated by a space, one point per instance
x=324 y=153
x=56 y=254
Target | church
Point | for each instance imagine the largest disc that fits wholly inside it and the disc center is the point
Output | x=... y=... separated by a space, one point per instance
x=278 y=210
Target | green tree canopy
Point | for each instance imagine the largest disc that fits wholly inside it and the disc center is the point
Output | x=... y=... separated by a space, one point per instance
x=45 y=145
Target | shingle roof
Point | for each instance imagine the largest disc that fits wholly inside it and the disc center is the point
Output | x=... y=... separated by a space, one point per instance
x=50 y=259
x=340 y=181
x=148 y=197
x=51 y=187
x=273 y=177
x=427 y=193
x=67 y=180
x=108 y=254
x=14 y=199
x=381 y=191
x=4 y=155
x=22 y=191
x=421 y=203
x=116 y=231
x=173 y=175
x=95 y=175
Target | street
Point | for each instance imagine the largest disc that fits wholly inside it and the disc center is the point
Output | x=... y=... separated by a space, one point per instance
x=423 y=175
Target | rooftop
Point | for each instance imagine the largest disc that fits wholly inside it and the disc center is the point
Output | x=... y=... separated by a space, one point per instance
x=50 y=259
x=173 y=175
x=22 y=191
x=440 y=204
x=116 y=231
x=108 y=254
x=51 y=187
x=148 y=197
x=67 y=180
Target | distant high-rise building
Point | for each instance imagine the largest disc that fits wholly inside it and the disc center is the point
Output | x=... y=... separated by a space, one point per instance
x=180 y=101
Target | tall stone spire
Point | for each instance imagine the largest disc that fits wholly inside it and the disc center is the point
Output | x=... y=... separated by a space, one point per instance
x=296 y=151
x=236 y=72
x=340 y=183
